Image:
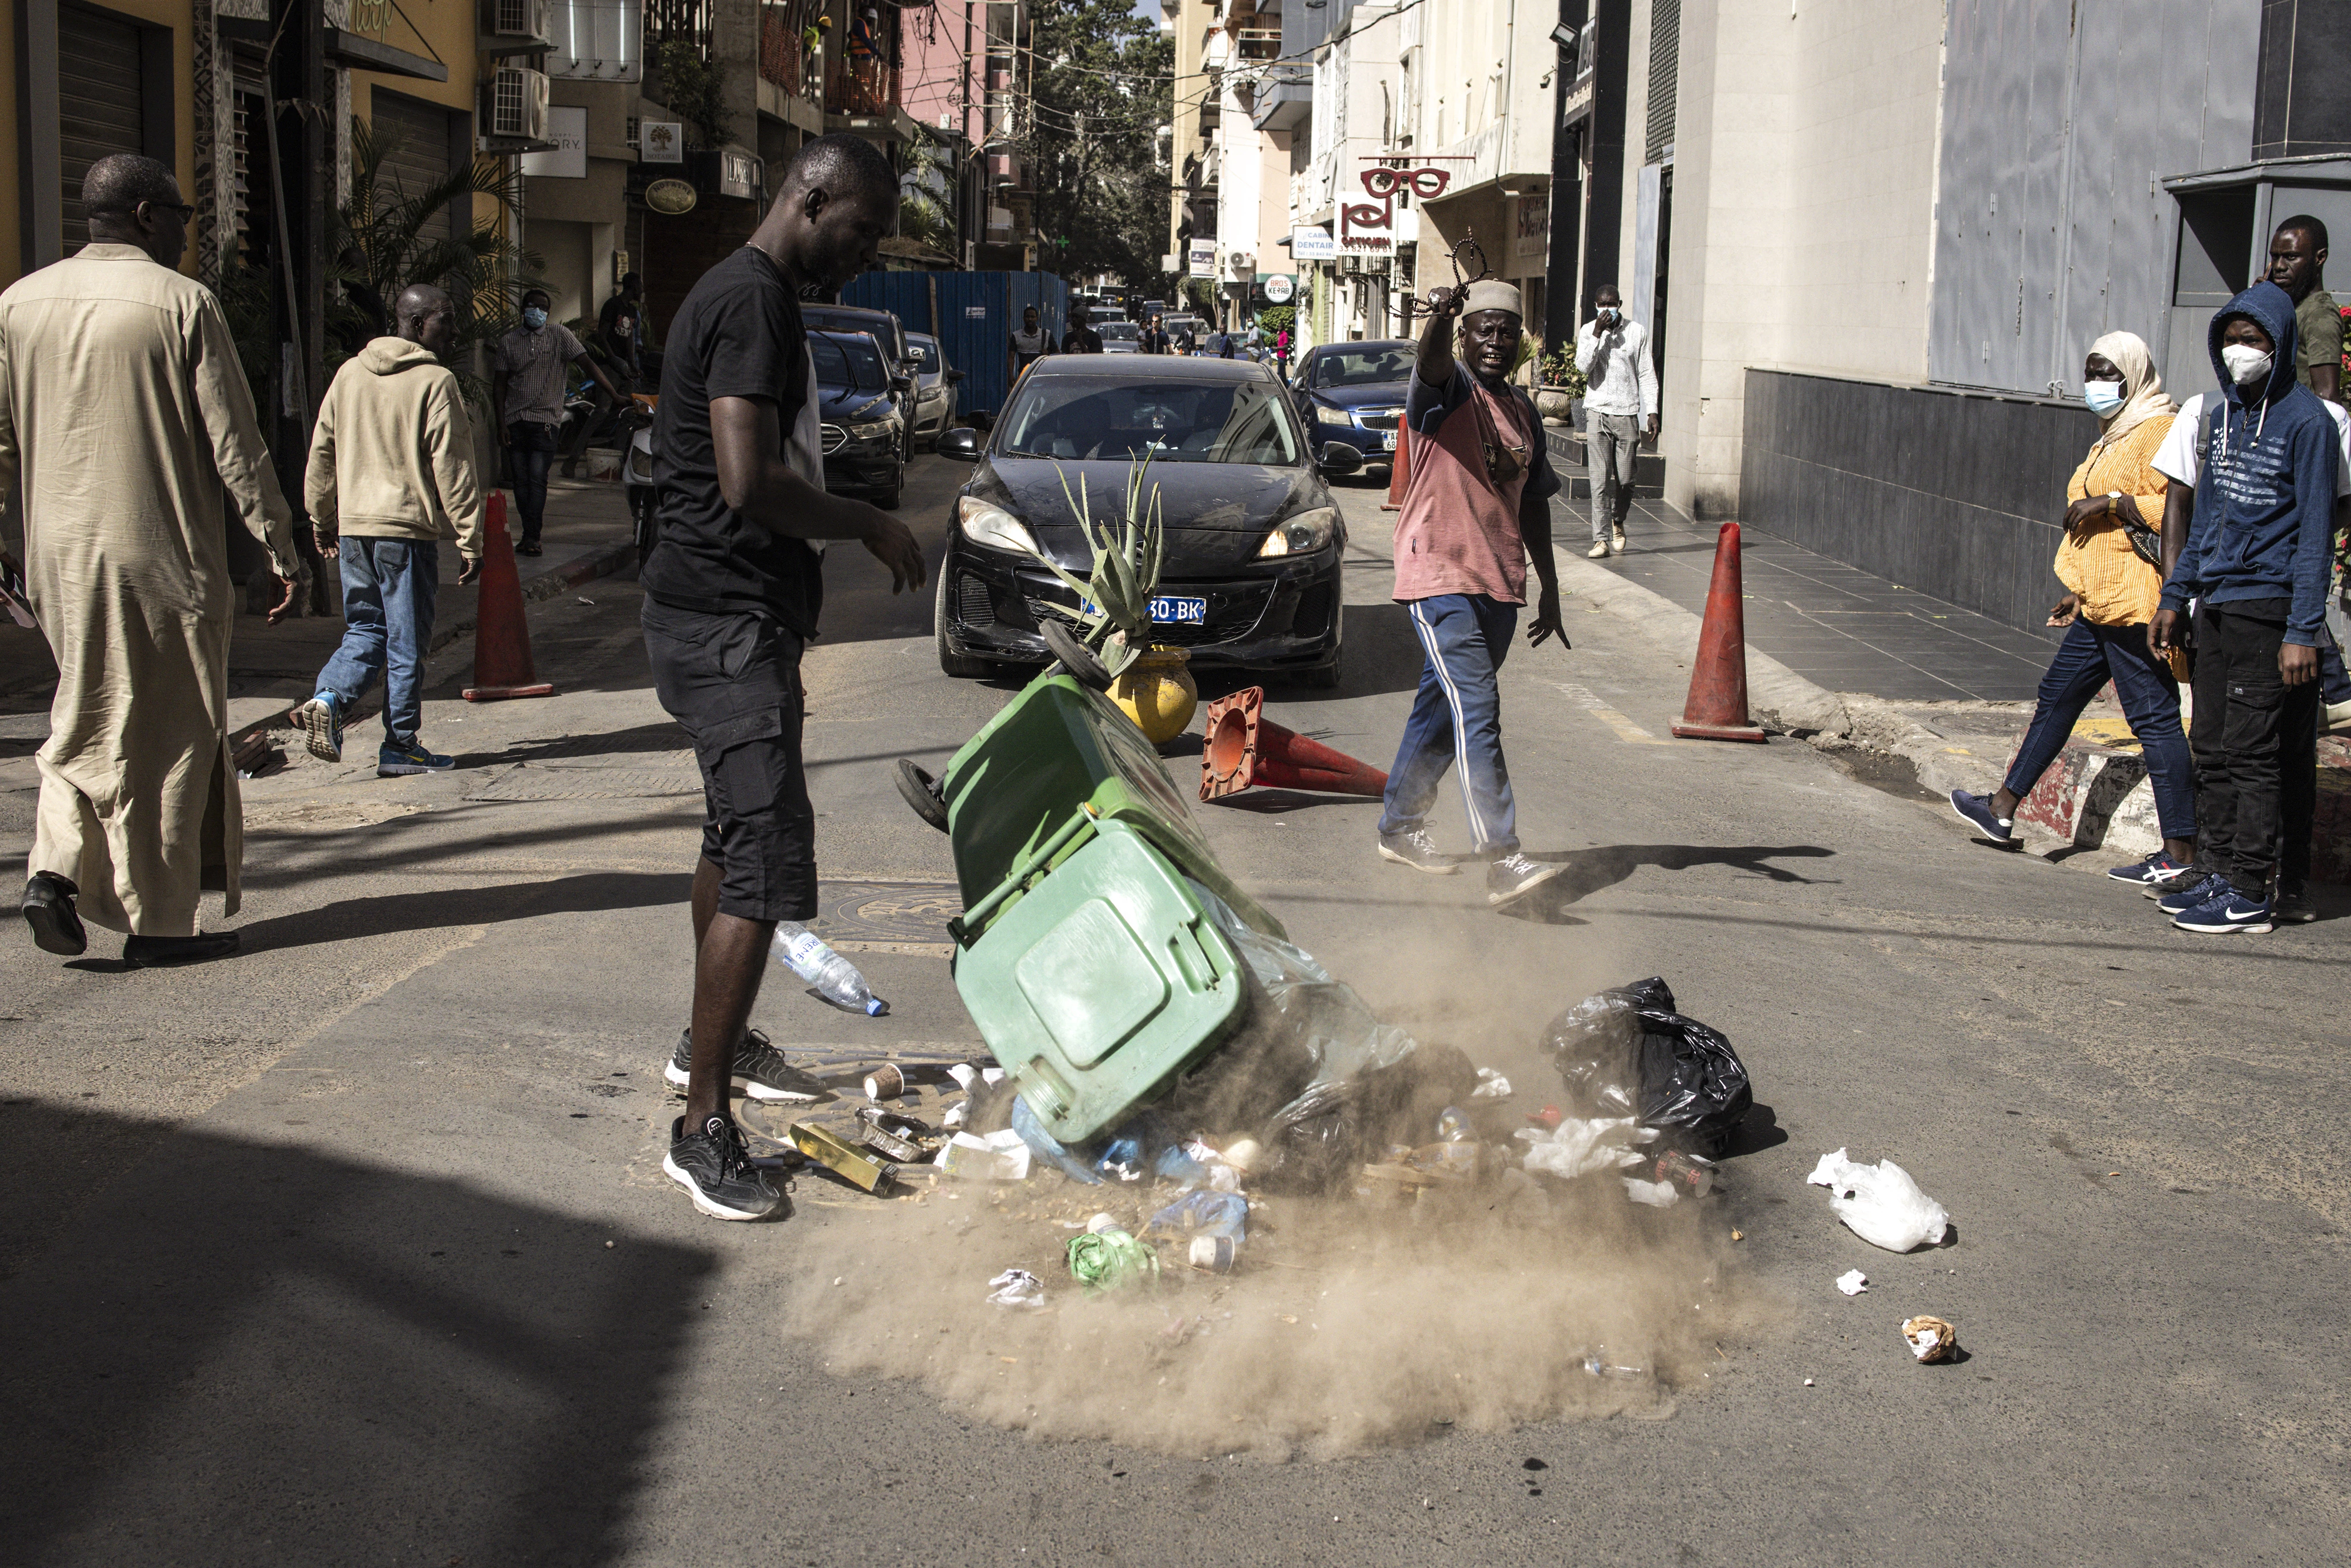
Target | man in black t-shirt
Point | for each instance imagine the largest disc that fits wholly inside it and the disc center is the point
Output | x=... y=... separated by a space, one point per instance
x=732 y=591
x=621 y=325
x=1082 y=338
x=1155 y=339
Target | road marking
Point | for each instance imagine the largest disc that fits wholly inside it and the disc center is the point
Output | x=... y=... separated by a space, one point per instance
x=1626 y=730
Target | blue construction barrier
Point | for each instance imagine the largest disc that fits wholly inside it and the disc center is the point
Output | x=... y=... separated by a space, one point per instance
x=972 y=314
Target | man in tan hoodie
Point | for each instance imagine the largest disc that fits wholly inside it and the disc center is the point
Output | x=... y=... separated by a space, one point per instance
x=391 y=472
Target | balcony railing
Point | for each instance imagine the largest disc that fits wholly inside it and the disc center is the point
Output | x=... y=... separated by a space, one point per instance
x=868 y=86
x=785 y=57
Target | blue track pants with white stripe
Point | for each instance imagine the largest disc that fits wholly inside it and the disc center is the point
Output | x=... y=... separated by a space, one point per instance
x=1457 y=718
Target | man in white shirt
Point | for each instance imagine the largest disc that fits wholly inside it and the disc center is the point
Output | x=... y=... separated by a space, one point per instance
x=2178 y=460
x=1620 y=410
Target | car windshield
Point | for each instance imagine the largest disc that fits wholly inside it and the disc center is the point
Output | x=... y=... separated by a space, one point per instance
x=1174 y=421
x=846 y=362
x=926 y=354
x=1124 y=331
x=1365 y=367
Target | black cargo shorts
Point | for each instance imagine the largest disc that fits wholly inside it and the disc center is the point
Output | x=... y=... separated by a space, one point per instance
x=733 y=680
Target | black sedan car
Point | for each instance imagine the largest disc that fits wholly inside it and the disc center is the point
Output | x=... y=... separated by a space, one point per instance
x=1353 y=393
x=1253 y=541
x=863 y=431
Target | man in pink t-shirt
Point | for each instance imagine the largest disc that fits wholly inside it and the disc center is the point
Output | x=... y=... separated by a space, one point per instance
x=1478 y=508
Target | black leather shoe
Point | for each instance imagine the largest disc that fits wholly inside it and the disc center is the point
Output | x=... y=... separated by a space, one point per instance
x=49 y=911
x=527 y=547
x=162 y=951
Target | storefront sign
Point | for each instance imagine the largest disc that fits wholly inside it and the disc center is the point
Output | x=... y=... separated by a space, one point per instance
x=568 y=129
x=1313 y=244
x=1279 y=287
x=1369 y=227
x=1530 y=236
x=1200 y=257
x=660 y=142
x=671 y=197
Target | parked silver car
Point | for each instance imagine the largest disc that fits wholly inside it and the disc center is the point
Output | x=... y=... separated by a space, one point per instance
x=935 y=390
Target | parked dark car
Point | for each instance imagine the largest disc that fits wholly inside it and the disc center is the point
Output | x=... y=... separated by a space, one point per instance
x=861 y=432
x=885 y=328
x=1353 y=393
x=1253 y=540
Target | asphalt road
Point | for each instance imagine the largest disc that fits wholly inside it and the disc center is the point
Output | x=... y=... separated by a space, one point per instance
x=355 y=1249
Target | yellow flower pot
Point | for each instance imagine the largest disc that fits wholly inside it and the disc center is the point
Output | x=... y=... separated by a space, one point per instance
x=1156 y=690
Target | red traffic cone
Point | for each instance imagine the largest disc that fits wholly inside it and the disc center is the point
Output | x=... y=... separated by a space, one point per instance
x=502 y=666
x=1245 y=748
x=1400 y=472
x=1716 y=709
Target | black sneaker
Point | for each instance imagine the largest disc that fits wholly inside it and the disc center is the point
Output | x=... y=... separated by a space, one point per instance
x=1415 y=849
x=2169 y=883
x=527 y=547
x=1515 y=876
x=2292 y=906
x=716 y=1172
x=759 y=1070
x=1977 y=812
x=49 y=910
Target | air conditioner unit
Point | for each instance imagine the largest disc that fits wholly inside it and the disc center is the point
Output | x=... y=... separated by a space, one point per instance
x=522 y=21
x=519 y=104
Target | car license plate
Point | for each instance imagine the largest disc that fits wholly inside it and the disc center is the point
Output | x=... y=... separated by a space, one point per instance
x=1179 y=610
x=1388 y=441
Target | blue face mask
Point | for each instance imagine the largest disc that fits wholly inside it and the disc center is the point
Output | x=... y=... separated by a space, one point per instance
x=2104 y=397
x=533 y=317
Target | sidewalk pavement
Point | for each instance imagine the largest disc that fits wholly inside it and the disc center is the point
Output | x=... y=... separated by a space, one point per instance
x=588 y=534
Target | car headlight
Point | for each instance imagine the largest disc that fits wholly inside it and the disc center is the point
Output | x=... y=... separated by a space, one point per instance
x=986 y=523
x=1302 y=534
x=871 y=429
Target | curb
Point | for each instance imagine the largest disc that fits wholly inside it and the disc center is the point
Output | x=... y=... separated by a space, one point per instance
x=545 y=586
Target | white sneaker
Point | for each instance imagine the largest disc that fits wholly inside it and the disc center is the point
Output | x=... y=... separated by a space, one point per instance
x=1599 y=551
x=2338 y=715
x=1617 y=542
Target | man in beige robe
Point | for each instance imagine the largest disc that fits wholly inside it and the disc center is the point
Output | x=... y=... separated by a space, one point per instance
x=125 y=424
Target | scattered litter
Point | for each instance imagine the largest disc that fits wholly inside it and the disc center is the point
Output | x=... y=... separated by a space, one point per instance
x=1599 y=1365
x=997 y=1157
x=1808 y=1382
x=1491 y=1085
x=1016 y=1288
x=844 y=1159
x=1107 y=1260
x=966 y=1075
x=831 y=978
x=1738 y=1235
x=1579 y=1145
x=1216 y=1221
x=1101 y=1222
x=1853 y=1282
x=885 y=1083
x=1880 y=1203
x=590 y=603
x=1930 y=1339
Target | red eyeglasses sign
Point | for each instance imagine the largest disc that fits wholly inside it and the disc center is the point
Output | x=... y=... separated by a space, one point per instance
x=1365 y=226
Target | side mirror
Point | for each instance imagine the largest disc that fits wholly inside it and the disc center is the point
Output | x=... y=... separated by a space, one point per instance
x=964 y=443
x=955 y=375
x=1338 y=457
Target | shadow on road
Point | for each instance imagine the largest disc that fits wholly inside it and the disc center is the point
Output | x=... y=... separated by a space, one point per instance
x=352 y=919
x=1605 y=865
x=260 y=1354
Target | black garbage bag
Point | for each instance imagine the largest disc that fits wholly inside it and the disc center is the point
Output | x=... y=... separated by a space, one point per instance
x=1627 y=1052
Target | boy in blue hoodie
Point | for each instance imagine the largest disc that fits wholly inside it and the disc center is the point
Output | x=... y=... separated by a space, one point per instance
x=2256 y=561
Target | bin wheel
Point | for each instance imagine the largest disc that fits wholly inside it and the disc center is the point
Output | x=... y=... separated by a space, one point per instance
x=922 y=792
x=1075 y=656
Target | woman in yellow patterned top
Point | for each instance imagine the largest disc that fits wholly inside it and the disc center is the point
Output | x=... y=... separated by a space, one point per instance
x=2113 y=528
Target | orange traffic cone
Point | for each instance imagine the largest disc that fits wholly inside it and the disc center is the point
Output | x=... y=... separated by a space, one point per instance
x=502 y=666
x=1245 y=748
x=1717 y=708
x=1400 y=472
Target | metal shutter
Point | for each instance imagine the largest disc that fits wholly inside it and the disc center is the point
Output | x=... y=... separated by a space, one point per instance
x=417 y=137
x=1664 y=73
x=99 y=104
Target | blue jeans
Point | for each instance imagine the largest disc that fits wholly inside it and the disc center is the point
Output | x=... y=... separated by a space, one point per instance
x=388 y=591
x=2086 y=659
x=1458 y=717
x=530 y=450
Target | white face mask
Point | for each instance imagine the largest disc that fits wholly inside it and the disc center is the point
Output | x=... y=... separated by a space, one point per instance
x=2104 y=397
x=2246 y=364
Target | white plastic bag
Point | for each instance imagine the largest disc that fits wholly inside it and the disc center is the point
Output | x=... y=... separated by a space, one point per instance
x=1853 y=1282
x=1880 y=1203
x=1016 y=1287
x=1580 y=1146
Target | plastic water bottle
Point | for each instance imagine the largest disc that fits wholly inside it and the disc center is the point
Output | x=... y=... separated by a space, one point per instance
x=829 y=975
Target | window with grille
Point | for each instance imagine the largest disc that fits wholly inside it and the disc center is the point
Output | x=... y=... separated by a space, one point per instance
x=1665 y=73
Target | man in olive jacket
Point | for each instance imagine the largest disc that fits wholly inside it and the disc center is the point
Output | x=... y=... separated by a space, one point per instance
x=391 y=473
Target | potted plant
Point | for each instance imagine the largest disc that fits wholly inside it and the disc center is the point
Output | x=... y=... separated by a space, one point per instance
x=1559 y=393
x=1151 y=683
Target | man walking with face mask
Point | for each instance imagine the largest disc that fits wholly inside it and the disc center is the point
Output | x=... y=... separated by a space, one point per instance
x=2256 y=556
x=1620 y=410
x=528 y=376
x=1478 y=508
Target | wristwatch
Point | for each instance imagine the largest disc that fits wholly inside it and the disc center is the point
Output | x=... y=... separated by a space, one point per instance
x=2112 y=497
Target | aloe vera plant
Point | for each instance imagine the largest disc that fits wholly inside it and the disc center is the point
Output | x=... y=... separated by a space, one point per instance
x=1113 y=609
